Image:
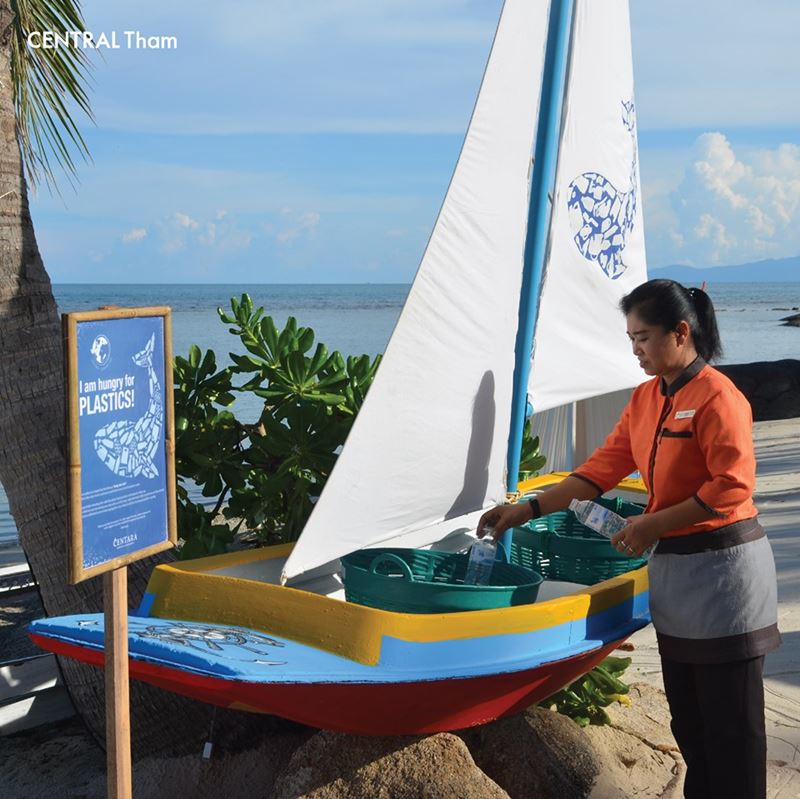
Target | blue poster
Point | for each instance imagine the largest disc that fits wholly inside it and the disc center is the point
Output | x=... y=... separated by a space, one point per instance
x=121 y=422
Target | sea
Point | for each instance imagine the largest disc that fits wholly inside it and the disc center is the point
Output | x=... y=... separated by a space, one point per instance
x=359 y=318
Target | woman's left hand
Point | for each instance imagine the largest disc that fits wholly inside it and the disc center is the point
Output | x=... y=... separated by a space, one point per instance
x=638 y=535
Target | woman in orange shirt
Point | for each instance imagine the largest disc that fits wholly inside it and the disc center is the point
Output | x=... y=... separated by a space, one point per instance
x=713 y=593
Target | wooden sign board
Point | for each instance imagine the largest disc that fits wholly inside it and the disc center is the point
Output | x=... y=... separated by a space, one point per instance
x=121 y=437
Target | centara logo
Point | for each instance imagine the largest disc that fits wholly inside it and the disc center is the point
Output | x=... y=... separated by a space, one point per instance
x=125 y=541
x=101 y=351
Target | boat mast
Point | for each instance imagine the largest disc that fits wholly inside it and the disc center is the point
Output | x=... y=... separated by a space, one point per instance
x=545 y=160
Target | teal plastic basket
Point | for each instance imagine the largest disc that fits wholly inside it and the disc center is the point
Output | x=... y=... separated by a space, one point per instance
x=422 y=581
x=559 y=547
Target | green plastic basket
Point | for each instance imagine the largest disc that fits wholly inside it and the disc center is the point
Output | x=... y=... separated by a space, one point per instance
x=422 y=581
x=559 y=547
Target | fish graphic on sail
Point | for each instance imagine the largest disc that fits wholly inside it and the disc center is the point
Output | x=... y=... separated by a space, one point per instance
x=126 y=447
x=601 y=216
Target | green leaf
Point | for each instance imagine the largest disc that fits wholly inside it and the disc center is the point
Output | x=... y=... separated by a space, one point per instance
x=269 y=334
x=295 y=365
x=305 y=340
x=208 y=365
x=585 y=699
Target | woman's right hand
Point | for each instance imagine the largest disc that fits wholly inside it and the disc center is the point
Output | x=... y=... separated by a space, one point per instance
x=504 y=516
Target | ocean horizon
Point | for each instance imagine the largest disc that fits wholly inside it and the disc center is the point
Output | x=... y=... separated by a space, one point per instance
x=357 y=318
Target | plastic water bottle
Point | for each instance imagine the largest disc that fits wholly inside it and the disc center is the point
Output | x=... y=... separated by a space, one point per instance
x=481 y=560
x=596 y=517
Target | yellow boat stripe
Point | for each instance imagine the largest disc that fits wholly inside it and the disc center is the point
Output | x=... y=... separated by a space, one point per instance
x=635 y=484
x=193 y=592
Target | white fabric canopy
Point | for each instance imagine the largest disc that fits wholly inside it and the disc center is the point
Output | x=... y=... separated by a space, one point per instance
x=596 y=250
x=569 y=433
x=429 y=445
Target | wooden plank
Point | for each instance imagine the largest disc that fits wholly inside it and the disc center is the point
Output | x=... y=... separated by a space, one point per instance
x=27 y=677
x=118 y=721
x=169 y=443
x=69 y=332
x=44 y=707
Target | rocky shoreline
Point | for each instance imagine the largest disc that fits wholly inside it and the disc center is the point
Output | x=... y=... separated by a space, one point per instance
x=771 y=387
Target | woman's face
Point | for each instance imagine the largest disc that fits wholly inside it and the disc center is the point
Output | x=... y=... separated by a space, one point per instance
x=660 y=352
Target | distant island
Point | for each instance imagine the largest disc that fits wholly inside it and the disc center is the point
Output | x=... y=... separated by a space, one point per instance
x=773 y=270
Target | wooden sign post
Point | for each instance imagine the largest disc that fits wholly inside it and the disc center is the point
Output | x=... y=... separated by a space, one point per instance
x=121 y=478
x=118 y=715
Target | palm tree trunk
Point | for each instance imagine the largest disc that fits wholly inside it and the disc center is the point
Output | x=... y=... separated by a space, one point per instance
x=32 y=453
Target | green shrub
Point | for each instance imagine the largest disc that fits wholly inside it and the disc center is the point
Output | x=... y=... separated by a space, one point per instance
x=264 y=475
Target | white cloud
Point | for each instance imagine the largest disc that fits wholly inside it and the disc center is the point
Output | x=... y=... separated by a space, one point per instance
x=172 y=244
x=730 y=208
x=209 y=235
x=299 y=224
x=186 y=221
x=179 y=232
x=136 y=234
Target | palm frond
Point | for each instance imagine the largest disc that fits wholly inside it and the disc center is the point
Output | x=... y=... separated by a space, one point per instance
x=48 y=84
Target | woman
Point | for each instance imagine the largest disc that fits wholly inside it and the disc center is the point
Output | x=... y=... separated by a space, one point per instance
x=713 y=595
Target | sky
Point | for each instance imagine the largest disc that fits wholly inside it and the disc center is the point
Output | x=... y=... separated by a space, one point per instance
x=313 y=142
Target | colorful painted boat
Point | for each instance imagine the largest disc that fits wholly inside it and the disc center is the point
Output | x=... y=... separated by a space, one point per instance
x=441 y=428
x=214 y=630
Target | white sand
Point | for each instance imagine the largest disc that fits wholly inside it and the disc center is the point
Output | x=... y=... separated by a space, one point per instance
x=778 y=501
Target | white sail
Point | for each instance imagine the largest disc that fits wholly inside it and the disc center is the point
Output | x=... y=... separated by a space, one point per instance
x=596 y=251
x=429 y=444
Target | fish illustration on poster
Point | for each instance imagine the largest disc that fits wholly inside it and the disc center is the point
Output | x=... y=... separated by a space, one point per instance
x=128 y=447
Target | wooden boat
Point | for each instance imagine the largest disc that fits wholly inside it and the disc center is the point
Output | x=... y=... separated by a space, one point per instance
x=269 y=630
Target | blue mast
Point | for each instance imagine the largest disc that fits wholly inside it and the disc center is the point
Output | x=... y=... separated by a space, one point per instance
x=539 y=212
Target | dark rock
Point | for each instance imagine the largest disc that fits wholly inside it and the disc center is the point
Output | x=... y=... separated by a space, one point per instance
x=332 y=765
x=536 y=754
x=543 y=754
x=771 y=387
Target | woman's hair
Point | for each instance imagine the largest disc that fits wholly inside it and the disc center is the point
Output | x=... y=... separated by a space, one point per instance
x=666 y=303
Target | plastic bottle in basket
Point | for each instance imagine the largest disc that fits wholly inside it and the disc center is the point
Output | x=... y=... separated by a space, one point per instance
x=481 y=559
x=596 y=517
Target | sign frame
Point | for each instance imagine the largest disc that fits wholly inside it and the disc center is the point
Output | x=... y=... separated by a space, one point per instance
x=70 y=322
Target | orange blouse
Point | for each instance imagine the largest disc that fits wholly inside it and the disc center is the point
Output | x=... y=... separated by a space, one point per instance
x=693 y=438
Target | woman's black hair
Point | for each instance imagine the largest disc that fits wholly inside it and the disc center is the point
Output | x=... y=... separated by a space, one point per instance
x=666 y=303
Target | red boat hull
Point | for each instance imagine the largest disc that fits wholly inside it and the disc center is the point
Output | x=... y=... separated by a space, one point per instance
x=408 y=708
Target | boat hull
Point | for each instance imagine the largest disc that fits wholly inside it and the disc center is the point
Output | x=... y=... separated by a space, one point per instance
x=399 y=708
x=220 y=630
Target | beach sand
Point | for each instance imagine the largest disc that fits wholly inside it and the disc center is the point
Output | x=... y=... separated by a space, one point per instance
x=61 y=757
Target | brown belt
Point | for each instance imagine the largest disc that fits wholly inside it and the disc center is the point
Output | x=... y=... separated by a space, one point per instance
x=731 y=535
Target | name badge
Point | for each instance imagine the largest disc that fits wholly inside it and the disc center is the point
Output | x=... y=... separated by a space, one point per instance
x=684 y=414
